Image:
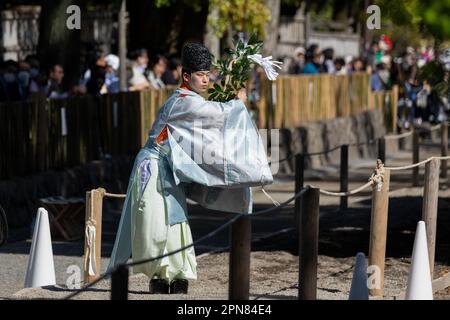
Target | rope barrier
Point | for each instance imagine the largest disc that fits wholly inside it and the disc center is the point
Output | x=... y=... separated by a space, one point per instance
x=114 y=195
x=375 y=179
x=275 y=202
x=371 y=141
x=110 y=195
x=386 y=137
x=322 y=152
x=417 y=164
x=344 y=194
x=207 y=236
x=435 y=127
x=398 y=136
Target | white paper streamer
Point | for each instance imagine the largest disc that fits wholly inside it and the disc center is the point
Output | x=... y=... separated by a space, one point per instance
x=63 y=122
x=90 y=236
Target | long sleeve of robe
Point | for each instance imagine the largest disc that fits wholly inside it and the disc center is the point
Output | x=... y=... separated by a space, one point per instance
x=208 y=151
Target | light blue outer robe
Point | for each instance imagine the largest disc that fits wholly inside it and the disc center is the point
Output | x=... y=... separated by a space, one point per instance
x=213 y=155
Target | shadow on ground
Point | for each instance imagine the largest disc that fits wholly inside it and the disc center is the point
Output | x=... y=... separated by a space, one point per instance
x=342 y=233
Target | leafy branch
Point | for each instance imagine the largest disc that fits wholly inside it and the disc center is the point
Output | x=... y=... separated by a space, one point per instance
x=234 y=70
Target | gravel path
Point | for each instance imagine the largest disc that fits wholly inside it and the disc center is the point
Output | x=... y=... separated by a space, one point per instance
x=273 y=276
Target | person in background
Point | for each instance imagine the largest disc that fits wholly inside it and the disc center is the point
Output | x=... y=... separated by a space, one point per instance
x=313 y=65
x=298 y=61
x=54 y=89
x=340 y=66
x=96 y=83
x=23 y=77
x=10 y=83
x=328 y=63
x=376 y=81
x=357 y=65
x=172 y=76
x=33 y=61
x=138 y=80
x=372 y=55
x=37 y=79
x=158 y=68
x=112 y=83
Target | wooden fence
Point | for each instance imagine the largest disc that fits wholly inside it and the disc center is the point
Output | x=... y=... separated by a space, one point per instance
x=41 y=134
x=292 y=100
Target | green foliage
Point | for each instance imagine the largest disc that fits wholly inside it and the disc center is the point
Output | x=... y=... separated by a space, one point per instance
x=436 y=17
x=195 y=4
x=235 y=69
x=434 y=73
x=425 y=16
x=241 y=15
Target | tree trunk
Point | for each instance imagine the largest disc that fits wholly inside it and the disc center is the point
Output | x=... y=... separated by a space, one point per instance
x=123 y=46
x=58 y=44
x=212 y=41
x=271 y=30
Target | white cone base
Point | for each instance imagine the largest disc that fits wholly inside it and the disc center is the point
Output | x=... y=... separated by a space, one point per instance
x=359 y=290
x=41 y=270
x=419 y=278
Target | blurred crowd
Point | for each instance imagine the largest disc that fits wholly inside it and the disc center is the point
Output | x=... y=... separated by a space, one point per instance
x=99 y=75
x=416 y=101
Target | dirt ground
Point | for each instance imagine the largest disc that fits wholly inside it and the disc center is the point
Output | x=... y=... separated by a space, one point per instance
x=274 y=259
x=274 y=275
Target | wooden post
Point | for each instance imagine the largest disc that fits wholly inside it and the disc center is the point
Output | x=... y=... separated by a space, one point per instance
x=119 y=284
x=415 y=172
x=444 y=148
x=299 y=184
x=378 y=230
x=239 y=282
x=94 y=204
x=430 y=206
x=382 y=149
x=344 y=175
x=308 y=245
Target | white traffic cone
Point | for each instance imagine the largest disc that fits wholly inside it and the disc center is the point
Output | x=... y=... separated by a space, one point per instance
x=359 y=289
x=419 y=278
x=41 y=270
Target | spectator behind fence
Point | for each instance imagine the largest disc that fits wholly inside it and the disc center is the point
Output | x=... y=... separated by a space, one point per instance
x=23 y=77
x=357 y=65
x=378 y=81
x=111 y=79
x=54 y=89
x=96 y=83
x=313 y=65
x=328 y=63
x=11 y=88
x=138 y=81
x=341 y=69
x=172 y=76
x=158 y=68
x=373 y=55
x=298 y=62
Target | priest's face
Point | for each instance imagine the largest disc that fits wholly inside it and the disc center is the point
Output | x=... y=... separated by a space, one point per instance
x=197 y=81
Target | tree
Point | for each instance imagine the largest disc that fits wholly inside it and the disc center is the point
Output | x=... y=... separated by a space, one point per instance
x=425 y=16
x=271 y=30
x=57 y=43
x=231 y=17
